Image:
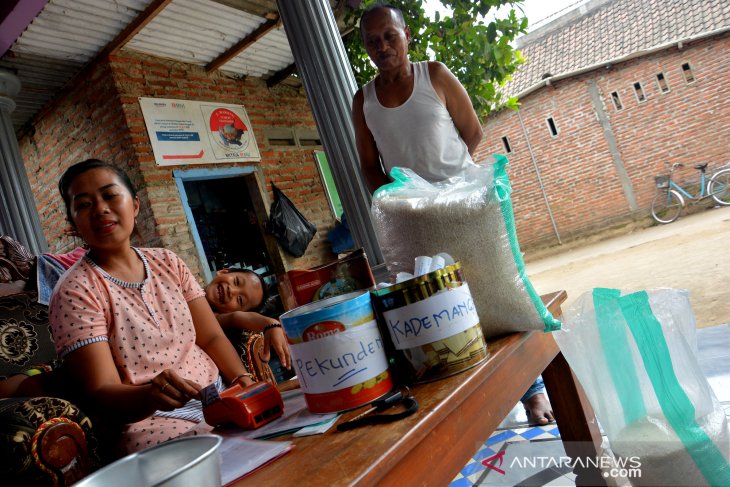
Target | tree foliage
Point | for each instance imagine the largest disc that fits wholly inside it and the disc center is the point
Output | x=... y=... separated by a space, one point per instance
x=476 y=51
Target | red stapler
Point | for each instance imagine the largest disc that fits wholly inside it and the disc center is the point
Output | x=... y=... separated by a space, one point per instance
x=248 y=407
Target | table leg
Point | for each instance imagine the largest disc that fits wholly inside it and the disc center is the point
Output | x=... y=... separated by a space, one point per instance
x=576 y=420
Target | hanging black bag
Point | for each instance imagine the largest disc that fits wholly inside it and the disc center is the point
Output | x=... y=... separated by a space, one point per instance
x=291 y=229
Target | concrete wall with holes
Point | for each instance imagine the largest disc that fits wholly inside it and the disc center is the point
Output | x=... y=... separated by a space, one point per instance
x=599 y=169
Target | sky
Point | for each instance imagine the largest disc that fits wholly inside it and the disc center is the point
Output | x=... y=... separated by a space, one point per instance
x=535 y=10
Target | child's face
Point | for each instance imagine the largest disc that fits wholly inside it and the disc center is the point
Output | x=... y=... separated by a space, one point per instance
x=102 y=209
x=234 y=291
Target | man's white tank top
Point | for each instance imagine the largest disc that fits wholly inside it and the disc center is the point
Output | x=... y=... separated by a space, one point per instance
x=420 y=134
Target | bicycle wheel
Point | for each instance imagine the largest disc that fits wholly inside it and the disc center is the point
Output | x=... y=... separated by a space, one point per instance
x=719 y=187
x=666 y=206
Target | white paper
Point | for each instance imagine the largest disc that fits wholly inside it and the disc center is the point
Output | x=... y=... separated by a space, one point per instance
x=340 y=360
x=240 y=456
x=296 y=415
x=316 y=429
x=442 y=315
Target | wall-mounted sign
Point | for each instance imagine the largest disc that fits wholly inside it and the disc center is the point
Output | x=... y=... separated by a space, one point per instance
x=197 y=132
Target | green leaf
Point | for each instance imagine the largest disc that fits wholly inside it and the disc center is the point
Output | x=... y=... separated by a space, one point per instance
x=479 y=54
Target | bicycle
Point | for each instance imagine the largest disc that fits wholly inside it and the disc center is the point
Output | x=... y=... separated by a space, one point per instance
x=671 y=197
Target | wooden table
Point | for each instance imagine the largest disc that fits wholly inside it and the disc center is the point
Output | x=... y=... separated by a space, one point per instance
x=456 y=416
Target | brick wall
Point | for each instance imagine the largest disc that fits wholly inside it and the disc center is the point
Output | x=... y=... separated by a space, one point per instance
x=690 y=124
x=102 y=118
x=86 y=122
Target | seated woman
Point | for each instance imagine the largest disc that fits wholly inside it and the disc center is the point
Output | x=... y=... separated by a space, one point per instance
x=130 y=323
x=236 y=295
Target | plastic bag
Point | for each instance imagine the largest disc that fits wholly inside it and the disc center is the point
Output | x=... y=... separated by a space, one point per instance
x=291 y=229
x=470 y=218
x=635 y=356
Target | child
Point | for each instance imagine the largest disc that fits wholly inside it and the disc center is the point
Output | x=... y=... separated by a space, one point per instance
x=236 y=295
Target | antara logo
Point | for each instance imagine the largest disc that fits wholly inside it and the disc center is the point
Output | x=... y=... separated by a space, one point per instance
x=489 y=462
x=177 y=105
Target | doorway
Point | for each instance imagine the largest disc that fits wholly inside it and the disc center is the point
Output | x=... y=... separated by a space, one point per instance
x=227 y=224
x=226 y=213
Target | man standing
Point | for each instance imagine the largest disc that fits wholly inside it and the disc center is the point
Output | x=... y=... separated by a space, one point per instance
x=419 y=116
x=414 y=115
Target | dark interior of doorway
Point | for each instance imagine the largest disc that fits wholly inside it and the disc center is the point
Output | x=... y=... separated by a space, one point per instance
x=231 y=234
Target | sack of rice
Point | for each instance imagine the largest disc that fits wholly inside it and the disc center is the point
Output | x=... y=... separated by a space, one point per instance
x=634 y=356
x=470 y=218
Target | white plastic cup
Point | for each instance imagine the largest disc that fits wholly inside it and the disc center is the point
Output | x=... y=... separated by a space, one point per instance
x=448 y=260
x=437 y=262
x=403 y=276
x=423 y=264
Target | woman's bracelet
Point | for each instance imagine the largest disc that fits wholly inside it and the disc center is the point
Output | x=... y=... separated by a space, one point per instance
x=245 y=374
x=270 y=326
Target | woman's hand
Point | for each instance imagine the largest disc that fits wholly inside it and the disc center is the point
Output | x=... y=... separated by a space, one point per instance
x=275 y=337
x=169 y=391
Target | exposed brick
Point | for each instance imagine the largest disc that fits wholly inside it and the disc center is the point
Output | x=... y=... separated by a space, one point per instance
x=101 y=118
x=690 y=124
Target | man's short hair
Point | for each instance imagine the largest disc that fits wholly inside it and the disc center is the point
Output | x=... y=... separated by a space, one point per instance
x=264 y=287
x=378 y=6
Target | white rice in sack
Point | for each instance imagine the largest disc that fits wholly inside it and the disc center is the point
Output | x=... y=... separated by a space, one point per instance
x=470 y=218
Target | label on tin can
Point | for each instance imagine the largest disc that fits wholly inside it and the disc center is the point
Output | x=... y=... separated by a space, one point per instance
x=440 y=316
x=340 y=360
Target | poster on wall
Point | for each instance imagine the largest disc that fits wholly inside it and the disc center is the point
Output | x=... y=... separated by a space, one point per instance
x=195 y=132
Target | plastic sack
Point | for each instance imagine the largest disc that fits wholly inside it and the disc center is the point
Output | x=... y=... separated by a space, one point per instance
x=290 y=228
x=635 y=356
x=340 y=237
x=470 y=218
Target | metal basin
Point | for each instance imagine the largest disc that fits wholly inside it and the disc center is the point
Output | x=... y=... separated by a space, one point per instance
x=194 y=460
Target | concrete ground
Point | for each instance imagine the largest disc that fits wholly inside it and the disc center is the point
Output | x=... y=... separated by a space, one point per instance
x=692 y=253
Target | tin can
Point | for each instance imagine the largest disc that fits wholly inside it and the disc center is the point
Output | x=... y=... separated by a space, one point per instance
x=431 y=326
x=338 y=352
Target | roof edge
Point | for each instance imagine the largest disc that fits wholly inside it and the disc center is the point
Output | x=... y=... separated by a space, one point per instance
x=19 y=18
x=558 y=23
x=608 y=63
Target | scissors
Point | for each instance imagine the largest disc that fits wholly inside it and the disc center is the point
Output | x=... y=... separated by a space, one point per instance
x=401 y=395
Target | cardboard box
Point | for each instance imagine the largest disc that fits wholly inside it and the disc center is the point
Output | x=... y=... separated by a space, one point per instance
x=350 y=273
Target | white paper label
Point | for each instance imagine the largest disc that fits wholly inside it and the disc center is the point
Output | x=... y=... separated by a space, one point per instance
x=340 y=360
x=440 y=316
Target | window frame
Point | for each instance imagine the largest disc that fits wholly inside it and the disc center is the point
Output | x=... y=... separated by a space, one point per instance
x=617 y=106
x=666 y=83
x=690 y=71
x=636 y=91
x=552 y=127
